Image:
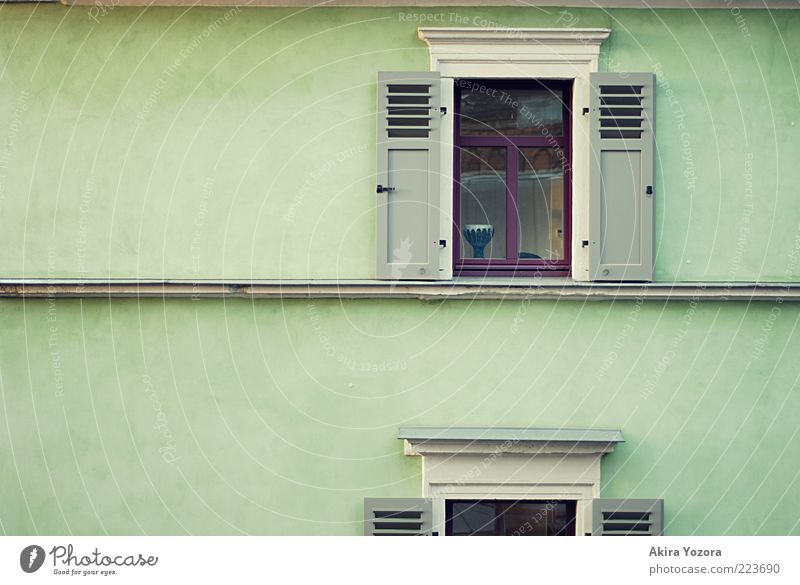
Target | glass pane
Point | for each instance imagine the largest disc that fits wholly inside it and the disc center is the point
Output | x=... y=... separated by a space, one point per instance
x=526 y=519
x=483 y=202
x=554 y=518
x=540 y=198
x=561 y=519
x=510 y=112
x=473 y=519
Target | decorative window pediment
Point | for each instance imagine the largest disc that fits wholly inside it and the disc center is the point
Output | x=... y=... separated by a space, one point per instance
x=515 y=464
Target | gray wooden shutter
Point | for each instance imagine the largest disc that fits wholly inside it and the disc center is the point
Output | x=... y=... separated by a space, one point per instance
x=621 y=176
x=398 y=516
x=619 y=517
x=408 y=172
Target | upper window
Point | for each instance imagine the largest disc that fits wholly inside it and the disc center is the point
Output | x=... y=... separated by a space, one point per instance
x=512 y=177
x=548 y=174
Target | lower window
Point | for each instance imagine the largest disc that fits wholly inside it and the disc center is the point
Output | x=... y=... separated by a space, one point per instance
x=510 y=518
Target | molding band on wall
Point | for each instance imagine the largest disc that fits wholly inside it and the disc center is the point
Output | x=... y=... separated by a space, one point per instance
x=460 y=289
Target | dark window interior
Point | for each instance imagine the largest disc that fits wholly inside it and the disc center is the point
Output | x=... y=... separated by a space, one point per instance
x=513 y=180
x=510 y=518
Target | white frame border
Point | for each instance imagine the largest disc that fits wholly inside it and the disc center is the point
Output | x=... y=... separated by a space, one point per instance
x=503 y=475
x=537 y=53
x=582 y=494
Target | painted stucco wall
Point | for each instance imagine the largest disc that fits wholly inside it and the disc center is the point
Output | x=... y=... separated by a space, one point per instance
x=277 y=418
x=136 y=144
x=207 y=143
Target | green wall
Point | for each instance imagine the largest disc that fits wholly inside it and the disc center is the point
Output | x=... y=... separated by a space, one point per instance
x=133 y=143
x=277 y=418
x=208 y=143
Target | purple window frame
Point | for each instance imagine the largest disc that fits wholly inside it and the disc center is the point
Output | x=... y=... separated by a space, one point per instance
x=514 y=266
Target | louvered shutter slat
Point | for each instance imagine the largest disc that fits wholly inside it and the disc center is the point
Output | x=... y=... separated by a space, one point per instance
x=398 y=516
x=627 y=517
x=408 y=176
x=621 y=176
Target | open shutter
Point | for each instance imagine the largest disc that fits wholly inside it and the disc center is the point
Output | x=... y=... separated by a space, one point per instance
x=398 y=517
x=408 y=180
x=621 y=176
x=615 y=517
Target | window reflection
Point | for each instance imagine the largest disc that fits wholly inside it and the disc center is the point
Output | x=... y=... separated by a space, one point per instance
x=512 y=112
x=540 y=201
x=483 y=202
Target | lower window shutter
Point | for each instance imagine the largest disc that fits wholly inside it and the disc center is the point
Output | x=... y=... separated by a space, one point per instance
x=408 y=175
x=627 y=517
x=398 y=517
x=621 y=187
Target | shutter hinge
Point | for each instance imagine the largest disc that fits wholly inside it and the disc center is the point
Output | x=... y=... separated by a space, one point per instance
x=382 y=189
x=649 y=190
x=442 y=243
x=443 y=110
x=585 y=111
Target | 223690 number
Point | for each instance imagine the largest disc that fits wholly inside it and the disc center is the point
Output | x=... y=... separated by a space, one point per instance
x=757 y=568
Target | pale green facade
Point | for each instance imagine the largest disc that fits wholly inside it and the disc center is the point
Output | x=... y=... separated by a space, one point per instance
x=239 y=144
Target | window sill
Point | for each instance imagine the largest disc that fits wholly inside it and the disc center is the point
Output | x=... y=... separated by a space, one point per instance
x=462 y=288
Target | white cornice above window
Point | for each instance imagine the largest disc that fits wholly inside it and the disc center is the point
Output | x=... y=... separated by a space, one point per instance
x=460 y=440
x=511 y=36
x=457 y=51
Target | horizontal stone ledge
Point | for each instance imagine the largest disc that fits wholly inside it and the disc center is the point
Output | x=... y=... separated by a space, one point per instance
x=460 y=289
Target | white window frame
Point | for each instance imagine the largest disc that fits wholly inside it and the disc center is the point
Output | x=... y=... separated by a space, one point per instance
x=533 y=53
x=519 y=469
